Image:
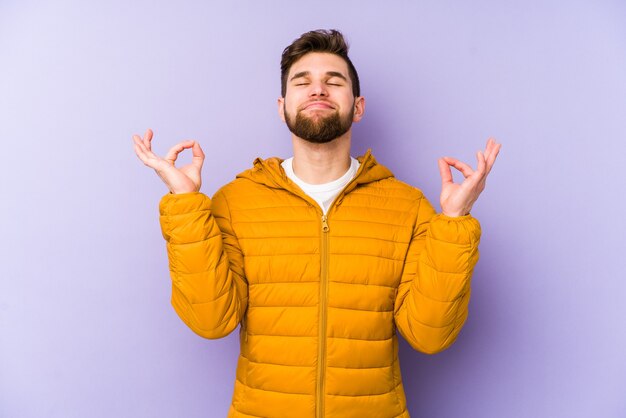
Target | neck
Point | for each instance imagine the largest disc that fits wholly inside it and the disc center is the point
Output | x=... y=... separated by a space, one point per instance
x=321 y=163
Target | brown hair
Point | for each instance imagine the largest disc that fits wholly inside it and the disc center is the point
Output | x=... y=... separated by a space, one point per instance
x=320 y=40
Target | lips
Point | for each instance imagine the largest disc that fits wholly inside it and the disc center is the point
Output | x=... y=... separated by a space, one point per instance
x=318 y=105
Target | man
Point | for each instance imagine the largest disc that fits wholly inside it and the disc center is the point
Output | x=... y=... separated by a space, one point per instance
x=320 y=257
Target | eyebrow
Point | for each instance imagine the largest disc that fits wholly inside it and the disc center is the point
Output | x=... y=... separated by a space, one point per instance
x=328 y=73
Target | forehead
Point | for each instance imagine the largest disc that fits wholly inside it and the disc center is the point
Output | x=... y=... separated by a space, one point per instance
x=319 y=63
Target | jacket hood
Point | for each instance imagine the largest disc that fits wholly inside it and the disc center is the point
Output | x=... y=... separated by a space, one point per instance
x=270 y=173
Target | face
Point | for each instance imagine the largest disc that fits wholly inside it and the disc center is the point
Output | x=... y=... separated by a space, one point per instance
x=319 y=105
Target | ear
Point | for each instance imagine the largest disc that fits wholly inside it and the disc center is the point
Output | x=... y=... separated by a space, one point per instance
x=359 y=108
x=281 y=108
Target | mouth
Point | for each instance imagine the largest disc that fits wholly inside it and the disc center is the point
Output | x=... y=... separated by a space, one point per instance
x=318 y=105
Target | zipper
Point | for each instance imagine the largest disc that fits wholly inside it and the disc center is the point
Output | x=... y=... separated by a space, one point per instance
x=323 y=284
x=321 y=355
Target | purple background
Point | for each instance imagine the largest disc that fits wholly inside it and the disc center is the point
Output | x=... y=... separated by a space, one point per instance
x=86 y=326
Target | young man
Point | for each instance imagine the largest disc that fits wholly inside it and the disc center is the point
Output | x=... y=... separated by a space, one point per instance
x=320 y=257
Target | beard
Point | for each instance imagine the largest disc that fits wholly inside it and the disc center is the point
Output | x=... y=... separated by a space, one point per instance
x=319 y=129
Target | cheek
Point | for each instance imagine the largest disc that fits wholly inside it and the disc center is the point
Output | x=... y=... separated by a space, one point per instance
x=291 y=103
x=287 y=110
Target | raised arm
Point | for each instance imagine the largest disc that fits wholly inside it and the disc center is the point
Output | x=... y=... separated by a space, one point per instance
x=209 y=289
x=433 y=296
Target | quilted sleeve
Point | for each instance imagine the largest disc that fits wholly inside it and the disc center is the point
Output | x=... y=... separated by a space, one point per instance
x=432 y=301
x=209 y=289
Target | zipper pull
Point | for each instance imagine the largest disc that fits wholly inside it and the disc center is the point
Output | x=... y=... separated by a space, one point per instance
x=325 y=227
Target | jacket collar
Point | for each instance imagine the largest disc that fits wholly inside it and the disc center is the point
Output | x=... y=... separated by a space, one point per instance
x=270 y=173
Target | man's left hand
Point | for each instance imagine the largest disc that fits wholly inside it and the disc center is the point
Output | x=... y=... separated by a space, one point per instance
x=458 y=199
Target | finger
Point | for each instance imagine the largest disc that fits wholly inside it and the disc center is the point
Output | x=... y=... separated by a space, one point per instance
x=147 y=137
x=444 y=170
x=176 y=149
x=480 y=186
x=147 y=151
x=141 y=154
x=139 y=143
x=482 y=164
x=198 y=155
x=491 y=143
x=488 y=147
x=492 y=157
x=459 y=165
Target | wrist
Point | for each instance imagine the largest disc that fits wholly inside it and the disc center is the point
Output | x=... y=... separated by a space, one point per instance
x=183 y=191
x=454 y=214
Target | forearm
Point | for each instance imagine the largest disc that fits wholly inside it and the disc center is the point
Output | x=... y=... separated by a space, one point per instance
x=206 y=293
x=437 y=277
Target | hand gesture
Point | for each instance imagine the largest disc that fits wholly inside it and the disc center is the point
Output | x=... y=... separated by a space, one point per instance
x=457 y=199
x=179 y=180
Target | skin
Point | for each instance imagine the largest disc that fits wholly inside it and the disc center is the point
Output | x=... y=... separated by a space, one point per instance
x=312 y=87
x=318 y=83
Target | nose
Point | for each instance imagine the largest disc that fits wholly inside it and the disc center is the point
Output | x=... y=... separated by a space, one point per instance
x=318 y=89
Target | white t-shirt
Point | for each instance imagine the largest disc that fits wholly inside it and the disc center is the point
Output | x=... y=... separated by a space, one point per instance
x=325 y=193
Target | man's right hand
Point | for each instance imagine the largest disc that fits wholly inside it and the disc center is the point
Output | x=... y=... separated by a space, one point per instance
x=179 y=180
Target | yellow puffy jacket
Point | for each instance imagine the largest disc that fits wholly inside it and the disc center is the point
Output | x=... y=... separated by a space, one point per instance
x=319 y=298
